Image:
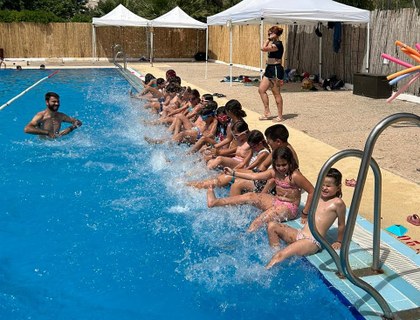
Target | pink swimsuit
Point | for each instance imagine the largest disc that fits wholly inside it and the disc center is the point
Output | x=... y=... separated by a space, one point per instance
x=290 y=205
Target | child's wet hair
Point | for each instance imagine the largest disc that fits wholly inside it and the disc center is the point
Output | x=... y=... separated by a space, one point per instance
x=337 y=176
x=286 y=154
x=175 y=79
x=208 y=97
x=255 y=137
x=160 y=81
x=235 y=107
x=173 y=87
x=240 y=126
x=212 y=105
x=195 y=94
x=277 y=131
x=221 y=111
x=208 y=111
x=170 y=73
x=148 y=77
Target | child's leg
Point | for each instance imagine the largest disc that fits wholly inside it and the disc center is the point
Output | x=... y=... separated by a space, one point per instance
x=258 y=200
x=220 y=181
x=184 y=123
x=241 y=185
x=222 y=161
x=279 y=231
x=278 y=213
x=201 y=142
x=301 y=247
x=186 y=136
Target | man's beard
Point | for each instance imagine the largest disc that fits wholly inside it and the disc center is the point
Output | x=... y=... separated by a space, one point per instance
x=53 y=107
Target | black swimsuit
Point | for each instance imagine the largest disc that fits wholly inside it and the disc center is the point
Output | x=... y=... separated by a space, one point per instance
x=275 y=71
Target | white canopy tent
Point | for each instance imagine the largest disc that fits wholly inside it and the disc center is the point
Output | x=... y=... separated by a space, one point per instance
x=119 y=17
x=290 y=12
x=176 y=18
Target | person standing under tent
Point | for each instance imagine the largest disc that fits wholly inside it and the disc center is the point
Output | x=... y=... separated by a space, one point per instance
x=273 y=74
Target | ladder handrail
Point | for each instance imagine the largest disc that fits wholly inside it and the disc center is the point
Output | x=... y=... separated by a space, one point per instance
x=354 y=207
x=116 y=54
x=355 y=204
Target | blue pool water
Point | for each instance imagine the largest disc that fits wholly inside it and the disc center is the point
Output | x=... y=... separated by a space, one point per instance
x=99 y=225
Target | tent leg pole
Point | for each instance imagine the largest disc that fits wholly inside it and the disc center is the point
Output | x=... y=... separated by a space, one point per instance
x=261 y=44
x=207 y=52
x=230 y=52
x=367 y=47
x=151 y=47
x=320 y=58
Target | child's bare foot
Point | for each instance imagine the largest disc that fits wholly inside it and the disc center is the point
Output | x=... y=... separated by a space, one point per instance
x=211 y=197
x=254 y=226
x=153 y=141
x=274 y=260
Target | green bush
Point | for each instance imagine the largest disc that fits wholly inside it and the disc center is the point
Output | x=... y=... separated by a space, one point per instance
x=28 y=16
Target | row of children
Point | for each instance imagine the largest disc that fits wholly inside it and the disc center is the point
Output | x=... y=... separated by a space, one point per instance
x=260 y=169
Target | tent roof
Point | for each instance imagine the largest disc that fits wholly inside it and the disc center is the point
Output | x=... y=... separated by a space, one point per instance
x=122 y=17
x=289 y=12
x=177 y=18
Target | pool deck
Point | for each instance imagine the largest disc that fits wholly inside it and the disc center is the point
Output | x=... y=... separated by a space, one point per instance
x=400 y=282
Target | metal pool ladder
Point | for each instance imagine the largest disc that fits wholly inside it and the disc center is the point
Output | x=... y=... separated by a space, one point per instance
x=342 y=261
x=135 y=82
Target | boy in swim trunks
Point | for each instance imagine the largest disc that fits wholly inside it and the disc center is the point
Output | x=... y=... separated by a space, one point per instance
x=301 y=242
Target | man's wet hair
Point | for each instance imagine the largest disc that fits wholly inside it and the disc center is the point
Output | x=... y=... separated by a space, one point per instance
x=48 y=95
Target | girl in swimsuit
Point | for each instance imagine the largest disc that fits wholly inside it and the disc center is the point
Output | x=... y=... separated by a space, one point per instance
x=284 y=205
x=240 y=134
x=227 y=147
x=221 y=131
x=260 y=151
x=301 y=242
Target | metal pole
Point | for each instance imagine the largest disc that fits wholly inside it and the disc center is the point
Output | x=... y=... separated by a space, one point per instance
x=230 y=51
x=207 y=51
x=261 y=44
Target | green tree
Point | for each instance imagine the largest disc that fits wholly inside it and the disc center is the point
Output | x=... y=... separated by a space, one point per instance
x=64 y=9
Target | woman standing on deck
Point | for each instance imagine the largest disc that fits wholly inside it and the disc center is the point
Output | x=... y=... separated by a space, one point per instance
x=273 y=74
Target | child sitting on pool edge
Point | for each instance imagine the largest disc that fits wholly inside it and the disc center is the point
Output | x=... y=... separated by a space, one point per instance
x=301 y=242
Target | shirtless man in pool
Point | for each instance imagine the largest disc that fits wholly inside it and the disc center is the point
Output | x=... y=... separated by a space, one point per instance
x=48 y=122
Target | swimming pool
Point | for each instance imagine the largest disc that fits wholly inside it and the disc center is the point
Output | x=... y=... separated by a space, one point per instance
x=99 y=225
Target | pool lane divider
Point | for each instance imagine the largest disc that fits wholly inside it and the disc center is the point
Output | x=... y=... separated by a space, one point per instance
x=27 y=89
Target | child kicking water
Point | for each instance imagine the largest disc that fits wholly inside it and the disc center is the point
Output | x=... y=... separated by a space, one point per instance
x=301 y=241
x=289 y=183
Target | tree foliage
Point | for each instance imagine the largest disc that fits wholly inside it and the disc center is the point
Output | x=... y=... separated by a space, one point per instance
x=76 y=10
